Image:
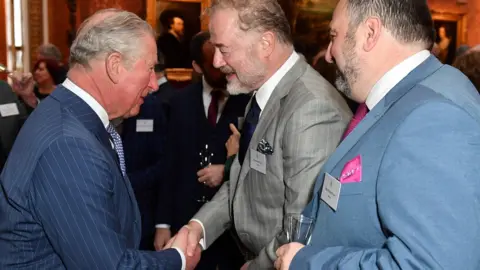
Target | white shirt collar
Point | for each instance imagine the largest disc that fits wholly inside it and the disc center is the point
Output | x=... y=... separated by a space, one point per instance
x=96 y=107
x=206 y=87
x=162 y=80
x=266 y=90
x=393 y=77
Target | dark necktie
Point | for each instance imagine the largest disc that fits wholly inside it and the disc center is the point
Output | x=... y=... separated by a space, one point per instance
x=361 y=112
x=213 y=107
x=251 y=121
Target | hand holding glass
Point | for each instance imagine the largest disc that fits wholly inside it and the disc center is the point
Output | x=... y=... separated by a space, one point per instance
x=299 y=228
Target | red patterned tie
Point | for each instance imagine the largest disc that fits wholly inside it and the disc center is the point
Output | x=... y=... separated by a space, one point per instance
x=362 y=110
x=213 y=107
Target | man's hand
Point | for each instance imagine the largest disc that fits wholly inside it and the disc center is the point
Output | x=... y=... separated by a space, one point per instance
x=194 y=234
x=181 y=241
x=162 y=236
x=245 y=266
x=285 y=255
x=212 y=175
x=233 y=143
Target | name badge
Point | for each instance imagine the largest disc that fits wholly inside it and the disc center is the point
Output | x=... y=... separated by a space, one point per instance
x=258 y=161
x=331 y=191
x=9 y=109
x=144 y=125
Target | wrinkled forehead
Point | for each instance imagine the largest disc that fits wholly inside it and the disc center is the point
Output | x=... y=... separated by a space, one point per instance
x=340 y=17
x=223 y=26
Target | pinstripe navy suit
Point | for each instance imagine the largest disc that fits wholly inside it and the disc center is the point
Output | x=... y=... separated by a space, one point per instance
x=63 y=202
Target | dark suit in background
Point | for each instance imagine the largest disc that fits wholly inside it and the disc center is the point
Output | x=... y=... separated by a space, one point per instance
x=64 y=203
x=164 y=94
x=9 y=125
x=189 y=131
x=144 y=154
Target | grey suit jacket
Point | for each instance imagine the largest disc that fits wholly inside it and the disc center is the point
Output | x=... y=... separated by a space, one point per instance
x=303 y=121
x=9 y=125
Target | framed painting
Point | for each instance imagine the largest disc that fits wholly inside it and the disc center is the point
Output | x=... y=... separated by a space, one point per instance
x=190 y=10
x=450 y=33
x=309 y=21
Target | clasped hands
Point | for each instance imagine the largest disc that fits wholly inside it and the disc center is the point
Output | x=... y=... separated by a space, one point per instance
x=187 y=240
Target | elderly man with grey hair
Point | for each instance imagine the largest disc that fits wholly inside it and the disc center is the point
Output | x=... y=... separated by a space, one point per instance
x=66 y=201
x=294 y=121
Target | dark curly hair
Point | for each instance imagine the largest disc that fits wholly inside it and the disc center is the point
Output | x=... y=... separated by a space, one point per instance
x=469 y=64
x=56 y=71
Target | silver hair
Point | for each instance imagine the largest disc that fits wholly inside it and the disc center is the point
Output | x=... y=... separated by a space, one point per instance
x=50 y=51
x=108 y=31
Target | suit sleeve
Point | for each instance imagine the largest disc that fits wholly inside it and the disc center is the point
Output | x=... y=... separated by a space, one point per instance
x=427 y=199
x=311 y=135
x=72 y=194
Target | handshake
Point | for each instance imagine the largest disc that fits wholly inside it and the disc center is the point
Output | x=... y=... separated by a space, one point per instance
x=186 y=241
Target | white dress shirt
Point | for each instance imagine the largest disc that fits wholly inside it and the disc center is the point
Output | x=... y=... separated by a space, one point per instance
x=262 y=96
x=96 y=107
x=265 y=91
x=207 y=99
x=162 y=80
x=102 y=114
x=393 y=77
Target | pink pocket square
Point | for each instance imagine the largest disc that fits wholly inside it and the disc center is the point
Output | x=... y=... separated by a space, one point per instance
x=352 y=172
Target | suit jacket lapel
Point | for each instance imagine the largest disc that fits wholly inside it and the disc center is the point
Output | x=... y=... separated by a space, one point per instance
x=90 y=121
x=271 y=110
x=424 y=70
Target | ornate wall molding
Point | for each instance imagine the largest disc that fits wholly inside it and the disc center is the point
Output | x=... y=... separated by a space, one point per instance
x=35 y=29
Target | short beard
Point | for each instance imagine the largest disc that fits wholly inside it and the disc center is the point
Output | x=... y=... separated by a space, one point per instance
x=349 y=76
x=247 y=83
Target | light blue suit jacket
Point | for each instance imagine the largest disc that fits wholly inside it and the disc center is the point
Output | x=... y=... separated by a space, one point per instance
x=63 y=201
x=418 y=204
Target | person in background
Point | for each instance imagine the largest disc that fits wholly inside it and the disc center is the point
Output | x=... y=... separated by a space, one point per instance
x=12 y=116
x=461 y=50
x=165 y=90
x=401 y=191
x=200 y=115
x=49 y=51
x=469 y=64
x=144 y=145
x=65 y=189
x=34 y=87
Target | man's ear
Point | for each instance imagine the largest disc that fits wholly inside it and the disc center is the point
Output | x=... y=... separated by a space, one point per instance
x=113 y=66
x=267 y=43
x=197 y=67
x=373 y=30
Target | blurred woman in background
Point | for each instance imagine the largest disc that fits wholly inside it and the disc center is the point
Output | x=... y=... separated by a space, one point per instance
x=35 y=86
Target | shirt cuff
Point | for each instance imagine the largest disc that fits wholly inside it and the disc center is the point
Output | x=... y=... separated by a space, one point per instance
x=162 y=226
x=202 y=241
x=182 y=256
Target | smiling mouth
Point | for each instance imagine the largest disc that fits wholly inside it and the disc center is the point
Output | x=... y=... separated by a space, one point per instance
x=230 y=76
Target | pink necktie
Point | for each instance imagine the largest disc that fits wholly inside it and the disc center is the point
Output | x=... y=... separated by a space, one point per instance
x=362 y=110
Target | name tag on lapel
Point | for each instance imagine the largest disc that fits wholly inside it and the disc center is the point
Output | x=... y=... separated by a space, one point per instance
x=331 y=191
x=258 y=161
x=144 y=125
x=9 y=109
